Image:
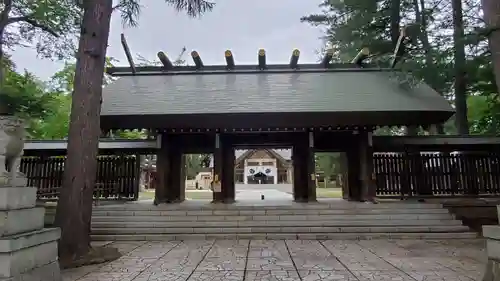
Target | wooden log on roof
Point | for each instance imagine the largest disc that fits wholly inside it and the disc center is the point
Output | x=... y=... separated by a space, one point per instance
x=400 y=49
x=361 y=56
x=167 y=64
x=127 y=53
x=325 y=62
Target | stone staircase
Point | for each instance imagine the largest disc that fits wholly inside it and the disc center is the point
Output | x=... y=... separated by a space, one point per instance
x=331 y=219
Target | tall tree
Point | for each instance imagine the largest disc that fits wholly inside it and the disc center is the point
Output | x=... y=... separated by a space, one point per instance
x=353 y=24
x=74 y=209
x=460 y=85
x=491 y=11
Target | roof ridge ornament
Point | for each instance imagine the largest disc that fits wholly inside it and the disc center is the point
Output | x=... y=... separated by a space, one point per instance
x=294 y=60
x=262 y=60
x=229 y=60
x=167 y=64
x=363 y=54
x=327 y=58
x=128 y=53
x=400 y=49
x=197 y=60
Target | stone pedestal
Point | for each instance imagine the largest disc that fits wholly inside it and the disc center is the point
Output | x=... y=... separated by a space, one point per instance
x=492 y=234
x=28 y=252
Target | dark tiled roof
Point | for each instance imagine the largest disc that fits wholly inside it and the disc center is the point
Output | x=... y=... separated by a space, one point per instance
x=224 y=92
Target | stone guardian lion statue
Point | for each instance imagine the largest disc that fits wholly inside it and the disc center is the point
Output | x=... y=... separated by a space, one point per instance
x=14 y=151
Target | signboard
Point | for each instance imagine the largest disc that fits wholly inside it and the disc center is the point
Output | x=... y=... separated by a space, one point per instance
x=217 y=187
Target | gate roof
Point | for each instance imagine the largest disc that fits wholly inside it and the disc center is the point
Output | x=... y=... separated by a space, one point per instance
x=309 y=96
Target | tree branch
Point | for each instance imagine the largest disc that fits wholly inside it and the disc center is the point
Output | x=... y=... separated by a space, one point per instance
x=491 y=30
x=34 y=23
x=4 y=15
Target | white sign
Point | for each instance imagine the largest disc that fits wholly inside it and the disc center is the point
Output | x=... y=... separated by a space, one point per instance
x=217 y=187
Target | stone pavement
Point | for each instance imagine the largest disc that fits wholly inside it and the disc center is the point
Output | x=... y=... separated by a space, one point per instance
x=269 y=194
x=290 y=260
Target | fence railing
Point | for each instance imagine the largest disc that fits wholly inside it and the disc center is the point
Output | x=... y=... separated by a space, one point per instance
x=117 y=176
x=437 y=174
x=397 y=175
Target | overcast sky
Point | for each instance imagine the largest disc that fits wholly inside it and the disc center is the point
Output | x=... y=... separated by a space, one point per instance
x=239 y=25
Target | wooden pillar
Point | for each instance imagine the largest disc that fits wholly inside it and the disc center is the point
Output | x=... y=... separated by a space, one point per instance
x=227 y=176
x=298 y=174
x=311 y=169
x=344 y=176
x=138 y=177
x=353 y=171
x=217 y=171
x=289 y=174
x=170 y=183
x=223 y=176
x=162 y=169
x=367 y=175
x=182 y=189
x=304 y=174
x=175 y=185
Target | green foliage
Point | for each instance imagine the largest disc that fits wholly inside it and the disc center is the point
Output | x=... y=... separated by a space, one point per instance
x=49 y=25
x=130 y=134
x=328 y=163
x=45 y=110
x=53 y=126
x=194 y=164
x=23 y=95
x=354 y=24
x=130 y=9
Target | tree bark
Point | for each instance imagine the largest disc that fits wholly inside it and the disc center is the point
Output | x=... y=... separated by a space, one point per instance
x=4 y=20
x=460 y=85
x=74 y=208
x=430 y=77
x=491 y=10
x=395 y=21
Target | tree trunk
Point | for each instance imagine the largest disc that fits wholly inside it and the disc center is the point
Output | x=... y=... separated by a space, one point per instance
x=430 y=76
x=395 y=21
x=491 y=10
x=4 y=18
x=395 y=30
x=460 y=85
x=74 y=208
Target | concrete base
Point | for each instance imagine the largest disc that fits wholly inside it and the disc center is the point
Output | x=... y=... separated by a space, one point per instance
x=23 y=252
x=48 y=272
x=22 y=220
x=492 y=233
x=17 y=198
x=492 y=271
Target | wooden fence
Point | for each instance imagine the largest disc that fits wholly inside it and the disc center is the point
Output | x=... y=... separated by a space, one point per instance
x=437 y=174
x=117 y=176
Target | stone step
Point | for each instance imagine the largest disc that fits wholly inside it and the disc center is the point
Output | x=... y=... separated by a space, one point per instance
x=338 y=205
x=280 y=236
x=277 y=223
x=444 y=216
x=264 y=211
x=290 y=229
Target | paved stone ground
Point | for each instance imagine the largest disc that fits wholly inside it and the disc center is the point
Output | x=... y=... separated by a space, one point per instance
x=283 y=187
x=290 y=260
x=270 y=191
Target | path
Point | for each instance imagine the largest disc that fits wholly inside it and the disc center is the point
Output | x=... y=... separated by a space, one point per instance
x=270 y=191
x=291 y=260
